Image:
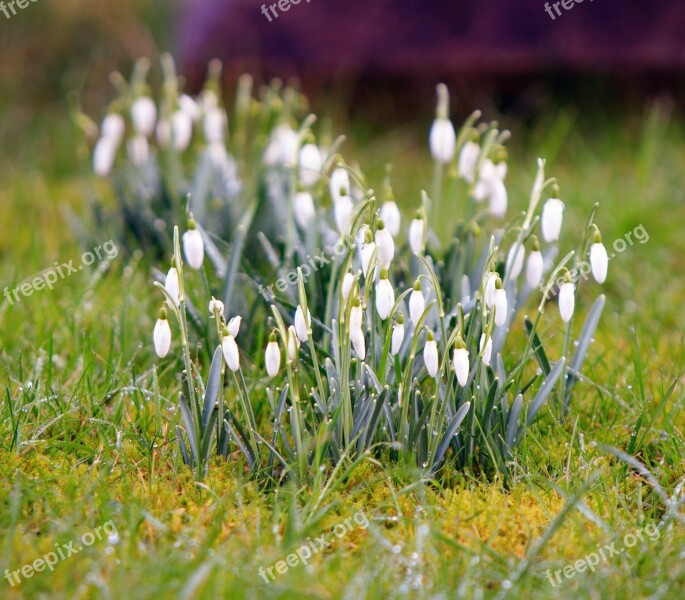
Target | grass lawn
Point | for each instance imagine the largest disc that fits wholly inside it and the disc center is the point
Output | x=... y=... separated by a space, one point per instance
x=88 y=415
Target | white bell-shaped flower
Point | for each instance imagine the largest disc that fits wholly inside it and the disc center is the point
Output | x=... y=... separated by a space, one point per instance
x=368 y=250
x=358 y=343
x=499 y=199
x=161 y=336
x=103 y=156
x=443 y=140
x=190 y=107
x=215 y=125
x=535 y=266
x=430 y=354
x=486 y=349
x=501 y=305
x=567 y=300
x=193 y=246
x=460 y=358
x=303 y=208
x=272 y=356
x=390 y=215
x=599 y=259
x=552 y=219
x=283 y=147
x=347 y=283
x=397 y=335
x=234 y=326
x=113 y=127
x=230 y=351
x=172 y=286
x=311 y=163
x=468 y=158
x=515 y=258
x=385 y=245
x=417 y=229
x=216 y=307
x=343 y=210
x=181 y=130
x=417 y=303
x=489 y=288
x=144 y=115
x=339 y=184
x=301 y=325
x=356 y=315
x=138 y=150
x=385 y=296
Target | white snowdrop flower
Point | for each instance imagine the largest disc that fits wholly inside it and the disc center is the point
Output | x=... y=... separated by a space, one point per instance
x=430 y=355
x=189 y=106
x=343 y=210
x=283 y=147
x=535 y=266
x=138 y=150
x=443 y=138
x=385 y=296
x=113 y=127
x=293 y=344
x=208 y=100
x=181 y=130
x=385 y=245
x=356 y=315
x=216 y=306
x=397 y=335
x=552 y=218
x=489 y=289
x=193 y=247
x=416 y=234
x=443 y=141
x=358 y=343
x=390 y=215
x=417 y=303
x=234 y=326
x=302 y=326
x=347 y=283
x=486 y=178
x=367 y=251
x=103 y=156
x=515 y=258
x=460 y=358
x=230 y=352
x=272 y=356
x=215 y=125
x=599 y=260
x=163 y=133
x=311 y=163
x=499 y=198
x=468 y=158
x=486 y=349
x=144 y=115
x=218 y=156
x=501 y=169
x=501 y=305
x=161 y=336
x=171 y=285
x=303 y=208
x=567 y=300
x=339 y=184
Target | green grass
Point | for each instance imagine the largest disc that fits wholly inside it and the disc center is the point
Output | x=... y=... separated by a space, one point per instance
x=87 y=422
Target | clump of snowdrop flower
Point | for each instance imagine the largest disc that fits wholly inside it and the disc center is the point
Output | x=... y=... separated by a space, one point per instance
x=360 y=381
x=144 y=115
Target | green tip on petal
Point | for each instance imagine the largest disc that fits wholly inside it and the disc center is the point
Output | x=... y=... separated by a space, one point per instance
x=429 y=336
x=555 y=191
x=368 y=237
x=384 y=273
x=272 y=337
x=535 y=243
x=380 y=225
x=162 y=314
x=498 y=283
x=417 y=286
x=400 y=319
x=460 y=345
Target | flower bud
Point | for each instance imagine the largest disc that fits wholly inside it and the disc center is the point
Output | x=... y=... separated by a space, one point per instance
x=461 y=362
x=215 y=125
x=103 y=156
x=272 y=357
x=385 y=296
x=181 y=130
x=417 y=303
x=193 y=246
x=339 y=184
x=390 y=215
x=397 y=335
x=311 y=163
x=430 y=355
x=303 y=208
x=113 y=127
x=230 y=352
x=500 y=304
x=486 y=349
x=171 y=285
x=468 y=158
x=514 y=263
x=302 y=326
x=567 y=301
x=552 y=218
x=161 y=336
x=216 y=307
x=293 y=344
x=599 y=260
x=144 y=115
x=416 y=235
x=234 y=326
x=535 y=266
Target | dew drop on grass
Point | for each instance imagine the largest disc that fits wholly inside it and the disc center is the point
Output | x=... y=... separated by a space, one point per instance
x=396 y=549
x=506 y=584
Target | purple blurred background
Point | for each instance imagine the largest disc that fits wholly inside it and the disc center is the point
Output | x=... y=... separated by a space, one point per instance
x=489 y=45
